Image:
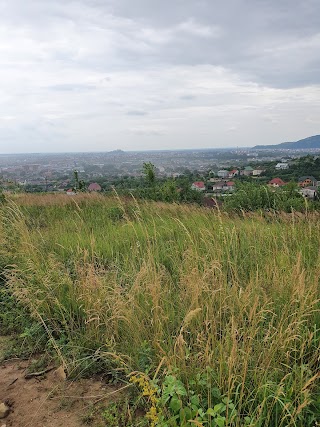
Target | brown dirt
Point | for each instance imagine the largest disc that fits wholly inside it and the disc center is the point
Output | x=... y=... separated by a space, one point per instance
x=48 y=401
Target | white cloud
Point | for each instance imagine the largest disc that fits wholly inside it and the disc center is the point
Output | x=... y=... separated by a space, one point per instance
x=79 y=75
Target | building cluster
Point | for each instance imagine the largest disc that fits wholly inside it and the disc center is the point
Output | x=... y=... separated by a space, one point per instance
x=223 y=182
x=308 y=185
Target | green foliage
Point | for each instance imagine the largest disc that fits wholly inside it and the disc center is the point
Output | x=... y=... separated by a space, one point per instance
x=251 y=197
x=146 y=356
x=76 y=179
x=171 y=192
x=177 y=405
x=149 y=172
x=114 y=416
x=15 y=320
x=14 y=317
x=168 y=290
x=115 y=213
x=120 y=413
x=307 y=165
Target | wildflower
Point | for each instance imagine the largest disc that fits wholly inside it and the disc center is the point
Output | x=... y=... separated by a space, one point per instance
x=150 y=393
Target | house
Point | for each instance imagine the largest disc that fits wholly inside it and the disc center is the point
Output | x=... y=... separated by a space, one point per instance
x=309 y=192
x=247 y=171
x=257 y=172
x=223 y=173
x=233 y=173
x=276 y=182
x=282 y=166
x=211 y=202
x=221 y=186
x=307 y=181
x=230 y=185
x=70 y=192
x=216 y=186
x=198 y=185
x=94 y=186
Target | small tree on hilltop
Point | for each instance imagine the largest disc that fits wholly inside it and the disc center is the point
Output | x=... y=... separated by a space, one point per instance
x=149 y=172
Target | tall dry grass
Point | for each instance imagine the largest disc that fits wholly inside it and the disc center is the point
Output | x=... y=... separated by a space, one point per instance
x=147 y=285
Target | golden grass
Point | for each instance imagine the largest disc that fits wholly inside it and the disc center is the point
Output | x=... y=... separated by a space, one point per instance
x=197 y=288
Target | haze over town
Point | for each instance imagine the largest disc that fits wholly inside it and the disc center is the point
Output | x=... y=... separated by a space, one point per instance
x=104 y=75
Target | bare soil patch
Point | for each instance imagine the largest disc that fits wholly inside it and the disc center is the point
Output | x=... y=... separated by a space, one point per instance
x=49 y=401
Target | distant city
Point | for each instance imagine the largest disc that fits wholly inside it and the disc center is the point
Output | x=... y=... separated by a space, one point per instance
x=54 y=172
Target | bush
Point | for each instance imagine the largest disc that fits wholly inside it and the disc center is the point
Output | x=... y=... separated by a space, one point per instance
x=252 y=197
x=2 y=198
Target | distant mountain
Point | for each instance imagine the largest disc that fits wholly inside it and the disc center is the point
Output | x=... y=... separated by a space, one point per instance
x=306 y=143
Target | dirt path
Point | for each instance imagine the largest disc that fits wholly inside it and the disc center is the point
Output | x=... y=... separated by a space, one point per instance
x=48 y=400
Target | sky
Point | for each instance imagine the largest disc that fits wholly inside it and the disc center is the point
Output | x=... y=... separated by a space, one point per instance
x=100 y=75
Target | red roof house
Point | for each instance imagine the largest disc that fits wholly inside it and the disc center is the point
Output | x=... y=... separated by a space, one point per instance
x=276 y=182
x=198 y=185
x=233 y=173
x=94 y=186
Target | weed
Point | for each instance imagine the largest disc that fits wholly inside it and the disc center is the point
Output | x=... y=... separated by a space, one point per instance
x=220 y=313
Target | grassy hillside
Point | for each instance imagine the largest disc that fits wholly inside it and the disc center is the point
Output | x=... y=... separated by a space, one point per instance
x=212 y=318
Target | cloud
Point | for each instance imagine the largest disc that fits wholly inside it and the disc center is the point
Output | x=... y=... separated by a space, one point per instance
x=116 y=70
x=147 y=131
x=137 y=113
x=70 y=87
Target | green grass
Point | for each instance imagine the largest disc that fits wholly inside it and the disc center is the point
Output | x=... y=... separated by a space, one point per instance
x=226 y=305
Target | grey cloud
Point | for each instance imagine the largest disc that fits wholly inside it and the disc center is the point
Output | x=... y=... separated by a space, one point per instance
x=99 y=68
x=137 y=113
x=251 y=33
x=147 y=131
x=187 y=97
x=274 y=42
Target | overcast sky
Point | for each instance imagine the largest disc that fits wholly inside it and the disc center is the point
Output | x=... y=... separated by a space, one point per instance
x=98 y=75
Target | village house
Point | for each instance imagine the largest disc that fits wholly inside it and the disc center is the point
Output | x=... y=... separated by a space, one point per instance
x=216 y=186
x=221 y=186
x=257 y=172
x=247 y=171
x=230 y=185
x=198 y=185
x=223 y=173
x=94 y=187
x=70 y=192
x=282 y=166
x=214 y=179
x=211 y=202
x=233 y=173
x=309 y=192
x=307 y=181
x=276 y=182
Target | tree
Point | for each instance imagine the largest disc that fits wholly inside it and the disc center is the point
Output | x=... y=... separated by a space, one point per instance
x=149 y=172
x=250 y=196
x=76 y=179
x=169 y=191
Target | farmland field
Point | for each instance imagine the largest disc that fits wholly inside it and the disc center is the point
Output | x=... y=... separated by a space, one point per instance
x=213 y=318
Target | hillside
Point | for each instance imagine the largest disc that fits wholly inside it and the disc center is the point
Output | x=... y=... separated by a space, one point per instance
x=312 y=142
x=204 y=318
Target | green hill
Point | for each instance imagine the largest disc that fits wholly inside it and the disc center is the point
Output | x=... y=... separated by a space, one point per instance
x=312 y=142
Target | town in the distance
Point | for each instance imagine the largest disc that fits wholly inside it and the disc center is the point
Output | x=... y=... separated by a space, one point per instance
x=211 y=173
